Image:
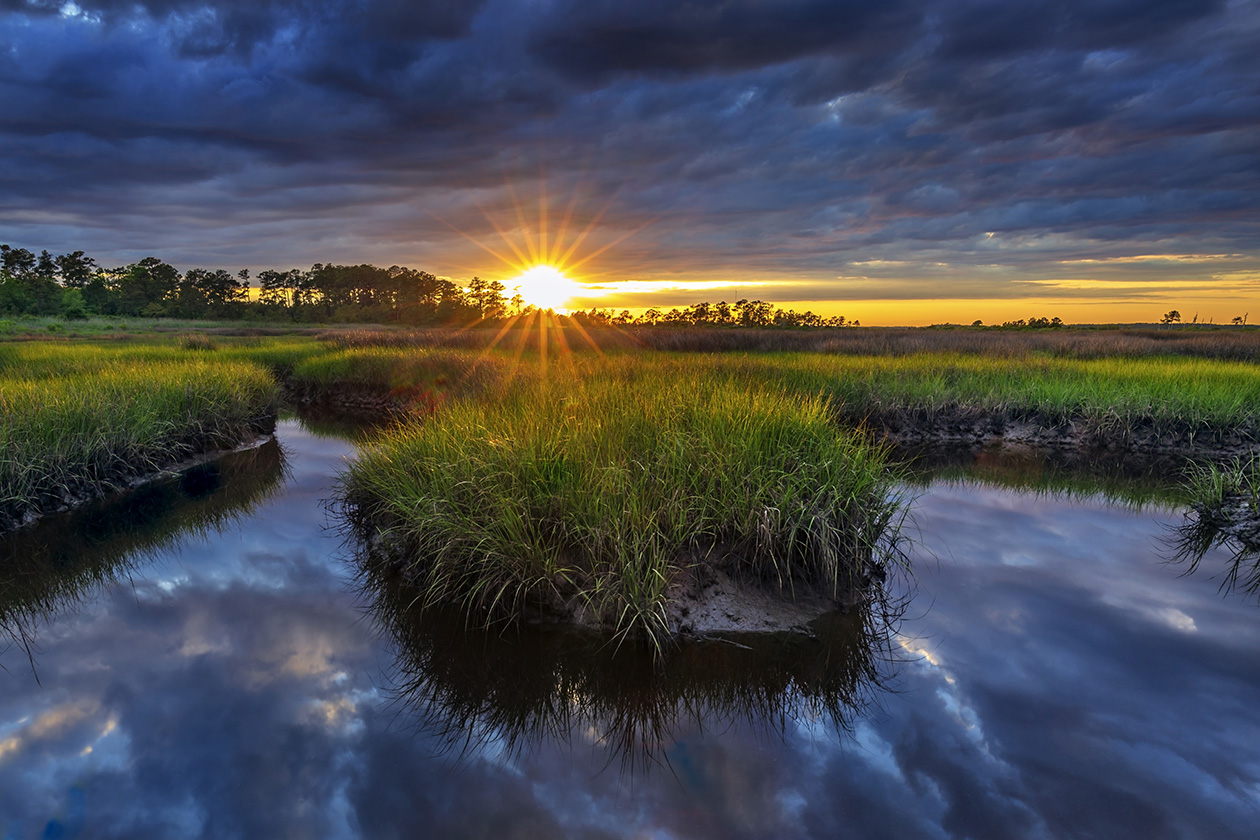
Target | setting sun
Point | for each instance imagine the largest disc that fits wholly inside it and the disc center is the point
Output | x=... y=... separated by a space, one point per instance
x=545 y=286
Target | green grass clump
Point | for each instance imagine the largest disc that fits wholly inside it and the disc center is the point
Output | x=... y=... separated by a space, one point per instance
x=400 y=381
x=70 y=437
x=1224 y=511
x=594 y=495
x=399 y=368
x=1212 y=485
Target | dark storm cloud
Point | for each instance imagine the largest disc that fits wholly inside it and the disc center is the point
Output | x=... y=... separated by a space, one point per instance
x=594 y=40
x=778 y=138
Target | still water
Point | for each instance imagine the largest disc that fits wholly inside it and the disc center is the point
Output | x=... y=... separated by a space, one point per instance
x=207 y=661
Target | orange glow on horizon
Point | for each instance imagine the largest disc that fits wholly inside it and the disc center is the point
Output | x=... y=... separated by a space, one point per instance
x=964 y=311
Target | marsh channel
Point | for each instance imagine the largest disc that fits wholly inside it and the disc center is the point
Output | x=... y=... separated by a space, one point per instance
x=206 y=658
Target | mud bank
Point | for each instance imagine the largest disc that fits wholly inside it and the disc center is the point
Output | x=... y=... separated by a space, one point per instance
x=373 y=404
x=974 y=427
x=703 y=600
x=712 y=601
x=123 y=477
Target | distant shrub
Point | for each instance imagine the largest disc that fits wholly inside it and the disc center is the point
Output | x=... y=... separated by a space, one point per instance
x=197 y=341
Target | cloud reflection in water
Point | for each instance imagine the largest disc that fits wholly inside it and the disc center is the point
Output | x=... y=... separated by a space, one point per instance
x=235 y=688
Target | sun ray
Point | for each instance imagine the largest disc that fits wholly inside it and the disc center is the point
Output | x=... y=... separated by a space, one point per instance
x=474 y=240
x=604 y=248
x=586 y=336
x=565 y=352
x=524 y=260
x=563 y=262
x=564 y=225
x=520 y=220
x=542 y=216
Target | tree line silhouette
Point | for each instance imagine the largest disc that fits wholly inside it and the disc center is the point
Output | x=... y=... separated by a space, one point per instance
x=74 y=286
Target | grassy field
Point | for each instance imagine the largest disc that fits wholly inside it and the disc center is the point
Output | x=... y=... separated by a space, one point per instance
x=77 y=420
x=1111 y=399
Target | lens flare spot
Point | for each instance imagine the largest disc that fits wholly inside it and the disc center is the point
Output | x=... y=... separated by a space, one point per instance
x=545 y=286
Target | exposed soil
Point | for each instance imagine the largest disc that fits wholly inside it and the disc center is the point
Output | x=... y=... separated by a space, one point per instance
x=712 y=601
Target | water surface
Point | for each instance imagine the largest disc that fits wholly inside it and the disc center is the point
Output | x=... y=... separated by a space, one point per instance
x=230 y=676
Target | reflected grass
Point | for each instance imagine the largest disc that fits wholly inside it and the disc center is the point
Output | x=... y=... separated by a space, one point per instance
x=527 y=687
x=1224 y=512
x=57 y=563
x=1124 y=480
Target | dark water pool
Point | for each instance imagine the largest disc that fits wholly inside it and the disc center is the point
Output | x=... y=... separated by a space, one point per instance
x=214 y=669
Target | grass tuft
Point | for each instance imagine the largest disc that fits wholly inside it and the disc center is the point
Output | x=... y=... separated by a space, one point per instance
x=596 y=495
x=1225 y=512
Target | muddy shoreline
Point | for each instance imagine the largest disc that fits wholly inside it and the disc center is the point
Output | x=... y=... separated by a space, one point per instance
x=86 y=490
x=1088 y=435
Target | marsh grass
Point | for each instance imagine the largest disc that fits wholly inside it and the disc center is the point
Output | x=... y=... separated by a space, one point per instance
x=96 y=427
x=1224 y=512
x=197 y=341
x=1110 y=400
x=1113 y=387
x=437 y=369
x=385 y=383
x=1223 y=343
x=596 y=495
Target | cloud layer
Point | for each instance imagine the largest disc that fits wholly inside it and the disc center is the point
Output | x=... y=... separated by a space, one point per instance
x=782 y=141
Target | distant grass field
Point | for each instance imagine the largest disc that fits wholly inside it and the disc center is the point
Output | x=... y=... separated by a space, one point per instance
x=1111 y=394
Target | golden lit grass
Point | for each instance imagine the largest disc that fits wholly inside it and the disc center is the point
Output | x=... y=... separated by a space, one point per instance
x=98 y=426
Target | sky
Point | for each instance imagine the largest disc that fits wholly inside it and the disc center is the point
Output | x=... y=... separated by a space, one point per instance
x=894 y=162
